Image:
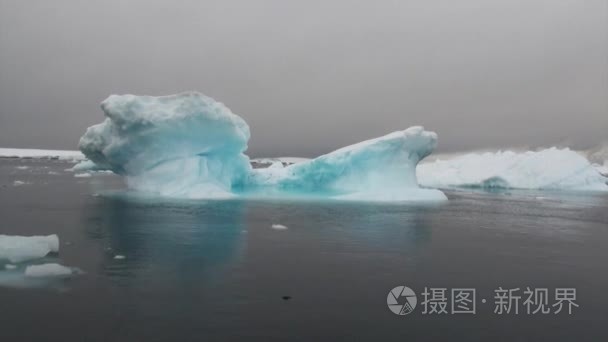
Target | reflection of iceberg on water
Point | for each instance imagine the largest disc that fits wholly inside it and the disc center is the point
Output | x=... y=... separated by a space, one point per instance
x=188 y=145
x=205 y=238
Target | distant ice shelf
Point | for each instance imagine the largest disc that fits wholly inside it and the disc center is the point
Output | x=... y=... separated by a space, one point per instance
x=41 y=154
x=548 y=169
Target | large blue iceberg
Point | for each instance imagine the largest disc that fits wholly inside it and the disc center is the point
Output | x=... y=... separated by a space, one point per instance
x=191 y=146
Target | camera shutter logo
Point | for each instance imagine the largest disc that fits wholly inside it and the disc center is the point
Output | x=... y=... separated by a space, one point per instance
x=401 y=300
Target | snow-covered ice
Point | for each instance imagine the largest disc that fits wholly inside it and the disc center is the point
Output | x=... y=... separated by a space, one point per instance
x=278 y=226
x=48 y=270
x=190 y=146
x=119 y=257
x=22 y=248
x=553 y=168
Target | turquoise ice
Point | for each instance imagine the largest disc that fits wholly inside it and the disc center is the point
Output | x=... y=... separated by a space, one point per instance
x=191 y=146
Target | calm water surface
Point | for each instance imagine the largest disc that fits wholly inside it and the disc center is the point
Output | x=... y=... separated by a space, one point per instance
x=209 y=270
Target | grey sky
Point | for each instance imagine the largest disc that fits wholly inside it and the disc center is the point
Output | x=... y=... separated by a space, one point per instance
x=311 y=76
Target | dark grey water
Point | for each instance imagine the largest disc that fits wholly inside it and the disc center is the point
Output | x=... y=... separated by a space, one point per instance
x=212 y=270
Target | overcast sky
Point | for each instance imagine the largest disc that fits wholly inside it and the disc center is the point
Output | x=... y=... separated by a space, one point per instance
x=310 y=76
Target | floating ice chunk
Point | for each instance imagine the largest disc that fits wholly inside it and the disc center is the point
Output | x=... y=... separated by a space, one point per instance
x=10 y=266
x=23 y=248
x=48 y=270
x=82 y=175
x=22 y=167
x=119 y=257
x=547 y=169
x=277 y=226
x=190 y=146
x=19 y=183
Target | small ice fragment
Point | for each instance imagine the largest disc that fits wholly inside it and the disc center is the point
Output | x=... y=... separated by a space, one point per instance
x=278 y=226
x=48 y=270
x=53 y=173
x=10 y=266
x=119 y=257
x=22 y=167
x=18 y=183
x=82 y=175
x=23 y=248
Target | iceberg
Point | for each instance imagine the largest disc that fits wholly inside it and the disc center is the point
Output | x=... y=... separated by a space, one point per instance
x=23 y=248
x=190 y=146
x=184 y=145
x=548 y=169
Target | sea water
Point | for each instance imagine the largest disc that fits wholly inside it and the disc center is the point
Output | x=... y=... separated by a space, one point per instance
x=157 y=269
